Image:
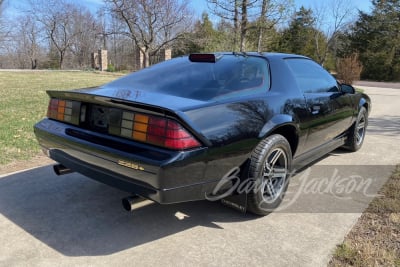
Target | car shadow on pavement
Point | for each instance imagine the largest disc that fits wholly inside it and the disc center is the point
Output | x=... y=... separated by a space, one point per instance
x=81 y=217
x=388 y=125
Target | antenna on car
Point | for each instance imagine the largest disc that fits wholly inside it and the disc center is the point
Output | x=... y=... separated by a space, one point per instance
x=244 y=54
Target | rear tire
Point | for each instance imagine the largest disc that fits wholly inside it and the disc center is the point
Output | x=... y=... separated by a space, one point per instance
x=356 y=135
x=269 y=167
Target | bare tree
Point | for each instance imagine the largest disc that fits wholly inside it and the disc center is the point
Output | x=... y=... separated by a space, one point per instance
x=86 y=36
x=64 y=25
x=228 y=10
x=266 y=13
x=121 y=47
x=331 y=18
x=4 y=32
x=243 y=25
x=152 y=24
x=57 y=24
x=1 y=13
x=272 y=12
x=26 y=38
x=237 y=11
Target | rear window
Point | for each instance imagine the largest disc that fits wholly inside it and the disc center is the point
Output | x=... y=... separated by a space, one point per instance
x=230 y=76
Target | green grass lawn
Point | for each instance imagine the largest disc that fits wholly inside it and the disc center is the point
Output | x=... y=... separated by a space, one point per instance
x=23 y=102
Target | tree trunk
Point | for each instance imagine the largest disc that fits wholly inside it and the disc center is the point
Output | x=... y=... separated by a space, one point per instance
x=33 y=63
x=236 y=25
x=146 y=58
x=262 y=24
x=243 y=28
x=60 y=62
x=259 y=44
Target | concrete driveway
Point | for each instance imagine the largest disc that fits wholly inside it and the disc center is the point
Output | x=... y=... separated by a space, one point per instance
x=71 y=220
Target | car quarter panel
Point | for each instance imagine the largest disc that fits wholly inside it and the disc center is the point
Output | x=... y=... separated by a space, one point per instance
x=234 y=129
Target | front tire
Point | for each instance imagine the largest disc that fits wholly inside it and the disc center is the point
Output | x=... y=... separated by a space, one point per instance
x=356 y=135
x=269 y=167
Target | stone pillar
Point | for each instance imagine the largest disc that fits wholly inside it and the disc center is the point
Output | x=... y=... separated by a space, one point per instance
x=95 y=60
x=165 y=54
x=103 y=61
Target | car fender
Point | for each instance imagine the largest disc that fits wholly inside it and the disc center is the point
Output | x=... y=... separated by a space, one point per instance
x=277 y=125
x=364 y=101
x=275 y=122
x=361 y=100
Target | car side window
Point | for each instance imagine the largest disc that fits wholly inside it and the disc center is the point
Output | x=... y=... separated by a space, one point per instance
x=311 y=77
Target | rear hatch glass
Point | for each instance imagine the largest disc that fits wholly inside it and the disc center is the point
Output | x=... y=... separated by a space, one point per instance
x=230 y=75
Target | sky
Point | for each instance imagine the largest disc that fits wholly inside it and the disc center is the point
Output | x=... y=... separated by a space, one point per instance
x=199 y=6
x=363 y=5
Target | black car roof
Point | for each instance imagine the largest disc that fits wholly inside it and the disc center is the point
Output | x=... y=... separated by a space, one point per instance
x=282 y=55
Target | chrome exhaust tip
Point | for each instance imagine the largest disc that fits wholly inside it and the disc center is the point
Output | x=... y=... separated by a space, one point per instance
x=60 y=169
x=129 y=202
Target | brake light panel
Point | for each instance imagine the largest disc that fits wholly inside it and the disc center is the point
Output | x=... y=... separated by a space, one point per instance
x=64 y=110
x=206 y=58
x=156 y=131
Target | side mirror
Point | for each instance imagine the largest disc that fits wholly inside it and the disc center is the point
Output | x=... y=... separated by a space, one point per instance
x=348 y=89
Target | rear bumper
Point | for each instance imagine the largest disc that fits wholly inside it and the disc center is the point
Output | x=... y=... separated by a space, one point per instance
x=157 y=174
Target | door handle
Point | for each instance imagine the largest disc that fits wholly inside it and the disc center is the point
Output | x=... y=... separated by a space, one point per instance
x=315 y=109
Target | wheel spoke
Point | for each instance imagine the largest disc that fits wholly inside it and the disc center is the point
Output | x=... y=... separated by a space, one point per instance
x=269 y=164
x=360 y=130
x=271 y=189
x=358 y=137
x=267 y=169
x=280 y=172
x=274 y=174
x=275 y=157
x=361 y=125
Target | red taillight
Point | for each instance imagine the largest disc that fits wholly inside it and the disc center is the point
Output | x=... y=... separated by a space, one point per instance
x=181 y=143
x=157 y=126
x=157 y=131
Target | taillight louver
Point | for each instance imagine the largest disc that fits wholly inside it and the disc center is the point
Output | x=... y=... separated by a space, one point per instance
x=157 y=131
x=62 y=110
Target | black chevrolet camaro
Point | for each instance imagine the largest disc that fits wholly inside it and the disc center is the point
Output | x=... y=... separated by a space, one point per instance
x=228 y=126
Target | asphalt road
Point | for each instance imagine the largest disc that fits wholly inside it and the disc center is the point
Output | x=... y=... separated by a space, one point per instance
x=71 y=220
